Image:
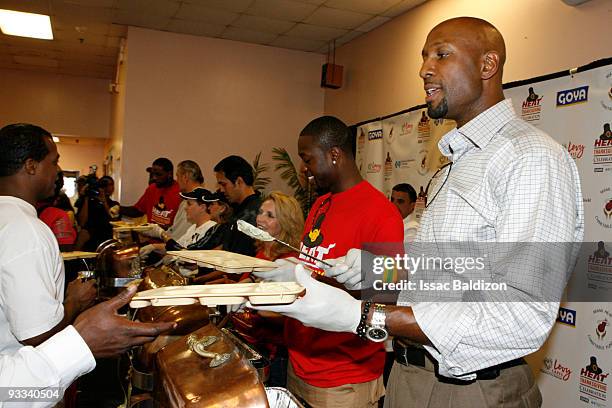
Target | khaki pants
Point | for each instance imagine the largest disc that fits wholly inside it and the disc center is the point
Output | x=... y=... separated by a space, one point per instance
x=417 y=387
x=363 y=395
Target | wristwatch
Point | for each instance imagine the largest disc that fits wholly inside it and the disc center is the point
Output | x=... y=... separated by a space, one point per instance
x=376 y=330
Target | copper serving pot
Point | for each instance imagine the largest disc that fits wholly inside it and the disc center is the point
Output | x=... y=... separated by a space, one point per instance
x=187 y=378
x=188 y=318
x=117 y=263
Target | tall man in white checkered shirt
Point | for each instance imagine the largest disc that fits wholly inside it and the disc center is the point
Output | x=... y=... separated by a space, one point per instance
x=511 y=187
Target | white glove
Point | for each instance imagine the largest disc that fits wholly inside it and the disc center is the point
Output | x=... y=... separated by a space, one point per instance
x=154 y=231
x=284 y=273
x=146 y=250
x=347 y=269
x=323 y=306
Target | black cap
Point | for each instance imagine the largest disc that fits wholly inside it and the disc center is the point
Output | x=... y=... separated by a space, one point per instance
x=201 y=194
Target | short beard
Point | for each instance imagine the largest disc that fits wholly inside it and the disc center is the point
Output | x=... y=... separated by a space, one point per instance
x=439 y=112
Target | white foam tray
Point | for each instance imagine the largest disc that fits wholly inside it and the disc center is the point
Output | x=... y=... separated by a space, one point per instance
x=224 y=294
x=225 y=261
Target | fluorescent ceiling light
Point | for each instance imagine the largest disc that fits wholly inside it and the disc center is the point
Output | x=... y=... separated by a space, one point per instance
x=56 y=139
x=25 y=24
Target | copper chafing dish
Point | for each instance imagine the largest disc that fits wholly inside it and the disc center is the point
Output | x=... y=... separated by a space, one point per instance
x=117 y=264
x=189 y=379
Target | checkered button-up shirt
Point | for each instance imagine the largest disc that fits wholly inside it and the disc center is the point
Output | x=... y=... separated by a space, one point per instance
x=510 y=183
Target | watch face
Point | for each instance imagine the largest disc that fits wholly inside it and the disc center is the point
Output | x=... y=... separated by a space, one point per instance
x=377 y=334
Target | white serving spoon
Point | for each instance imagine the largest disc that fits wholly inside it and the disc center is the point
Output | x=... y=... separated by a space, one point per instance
x=261 y=235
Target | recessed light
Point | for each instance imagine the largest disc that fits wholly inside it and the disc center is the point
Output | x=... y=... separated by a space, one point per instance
x=25 y=24
x=56 y=139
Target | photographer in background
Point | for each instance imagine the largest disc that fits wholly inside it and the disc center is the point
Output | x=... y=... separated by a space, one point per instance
x=93 y=211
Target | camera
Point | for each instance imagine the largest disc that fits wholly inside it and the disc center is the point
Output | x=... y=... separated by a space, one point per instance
x=93 y=185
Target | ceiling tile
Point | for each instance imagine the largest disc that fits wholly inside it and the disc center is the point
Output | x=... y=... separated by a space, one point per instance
x=402 y=7
x=315 y=2
x=91 y=59
x=312 y=32
x=68 y=23
x=113 y=41
x=195 y=28
x=267 y=25
x=241 y=34
x=363 y=6
x=33 y=6
x=167 y=8
x=195 y=12
x=33 y=52
x=82 y=38
x=350 y=36
x=118 y=30
x=27 y=42
x=136 y=18
x=70 y=48
x=81 y=13
x=295 y=43
x=236 y=6
x=89 y=3
x=372 y=24
x=281 y=9
x=36 y=61
x=330 y=17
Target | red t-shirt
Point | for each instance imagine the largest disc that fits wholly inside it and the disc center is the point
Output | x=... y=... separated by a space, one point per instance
x=350 y=219
x=160 y=204
x=60 y=223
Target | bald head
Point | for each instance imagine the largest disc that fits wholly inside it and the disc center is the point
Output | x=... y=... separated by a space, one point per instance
x=482 y=35
x=463 y=61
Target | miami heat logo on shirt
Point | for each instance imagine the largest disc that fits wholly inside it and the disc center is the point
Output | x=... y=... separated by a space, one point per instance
x=160 y=215
x=315 y=236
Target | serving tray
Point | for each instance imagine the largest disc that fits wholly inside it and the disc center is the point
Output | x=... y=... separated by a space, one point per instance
x=78 y=255
x=225 y=261
x=122 y=226
x=224 y=294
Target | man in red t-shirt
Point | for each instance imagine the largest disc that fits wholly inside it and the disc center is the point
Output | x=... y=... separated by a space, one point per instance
x=330 y=367
x=161 y=199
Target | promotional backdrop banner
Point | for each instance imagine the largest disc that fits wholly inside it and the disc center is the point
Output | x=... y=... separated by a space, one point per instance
x=573 y=368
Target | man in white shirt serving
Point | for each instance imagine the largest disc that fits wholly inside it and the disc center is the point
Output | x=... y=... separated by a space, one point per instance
x=510 y=187
x=31 y=268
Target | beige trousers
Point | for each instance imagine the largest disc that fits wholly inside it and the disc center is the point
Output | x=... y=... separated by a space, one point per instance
x=363 y=395
x=417 y=387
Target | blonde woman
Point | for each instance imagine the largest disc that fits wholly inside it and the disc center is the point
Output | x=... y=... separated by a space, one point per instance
x=281 y=216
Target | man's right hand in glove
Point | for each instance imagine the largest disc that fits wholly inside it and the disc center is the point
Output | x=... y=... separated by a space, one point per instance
x=154 y=231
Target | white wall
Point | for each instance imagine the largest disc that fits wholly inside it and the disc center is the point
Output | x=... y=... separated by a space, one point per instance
x=200 y=98
x=542 y=36
x=62 y=104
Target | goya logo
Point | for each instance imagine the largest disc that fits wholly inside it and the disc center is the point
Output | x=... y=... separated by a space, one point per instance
x=375 y=134
x=573 y=96
x=567 y=316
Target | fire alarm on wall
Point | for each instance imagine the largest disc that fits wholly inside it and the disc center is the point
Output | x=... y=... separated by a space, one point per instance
x=331 y=76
